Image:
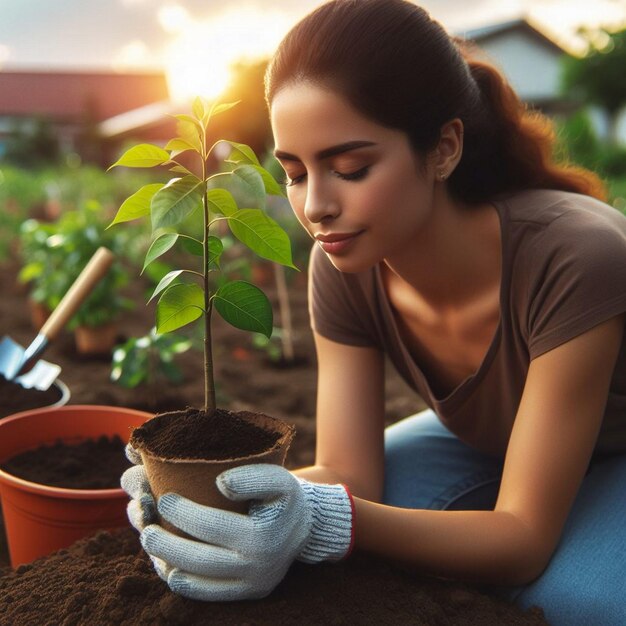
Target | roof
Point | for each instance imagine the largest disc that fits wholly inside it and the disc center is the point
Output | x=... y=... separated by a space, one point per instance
x=485 y=33
x=68 y=95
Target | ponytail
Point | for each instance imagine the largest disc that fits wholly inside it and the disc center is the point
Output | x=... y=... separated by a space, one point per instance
x=509 y=147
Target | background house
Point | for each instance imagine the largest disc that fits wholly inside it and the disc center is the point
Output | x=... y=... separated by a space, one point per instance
x=533 y=63
x=72 y=104
x=529 y=58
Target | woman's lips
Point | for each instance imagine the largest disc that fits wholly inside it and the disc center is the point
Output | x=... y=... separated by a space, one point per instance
x=334 y=243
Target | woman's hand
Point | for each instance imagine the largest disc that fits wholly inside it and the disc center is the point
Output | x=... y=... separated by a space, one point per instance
x=141 y=509
x=234 y=556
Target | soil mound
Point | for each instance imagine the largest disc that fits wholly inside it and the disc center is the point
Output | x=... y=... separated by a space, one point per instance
x=108 y=579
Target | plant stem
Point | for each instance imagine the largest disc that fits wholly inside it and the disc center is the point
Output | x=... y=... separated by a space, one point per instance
x=285 y=313
x=209 y=381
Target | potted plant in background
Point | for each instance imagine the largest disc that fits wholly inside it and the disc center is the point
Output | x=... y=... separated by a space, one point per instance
x=55 y=253
x=184 y=451
x=43 y=515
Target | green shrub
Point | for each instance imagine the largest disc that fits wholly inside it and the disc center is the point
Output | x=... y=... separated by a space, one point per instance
x=148 y=360
x=55 y=253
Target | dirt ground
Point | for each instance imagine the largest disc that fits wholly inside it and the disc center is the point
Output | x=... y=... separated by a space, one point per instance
x=246 y=380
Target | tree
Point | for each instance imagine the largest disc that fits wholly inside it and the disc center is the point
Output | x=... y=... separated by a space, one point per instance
x=598 y=77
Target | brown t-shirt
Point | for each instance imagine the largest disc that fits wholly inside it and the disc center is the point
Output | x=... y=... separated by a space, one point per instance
x=563 y=272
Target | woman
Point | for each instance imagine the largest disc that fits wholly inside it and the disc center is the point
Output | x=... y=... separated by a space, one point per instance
x=447 y=239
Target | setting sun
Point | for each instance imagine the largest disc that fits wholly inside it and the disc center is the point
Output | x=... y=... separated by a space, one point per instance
x=199 y=59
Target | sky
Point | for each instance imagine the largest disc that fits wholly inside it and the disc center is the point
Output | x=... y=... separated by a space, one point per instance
x=171 y=34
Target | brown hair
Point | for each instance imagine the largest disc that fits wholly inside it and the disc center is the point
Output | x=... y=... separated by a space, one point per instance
x=400 y=68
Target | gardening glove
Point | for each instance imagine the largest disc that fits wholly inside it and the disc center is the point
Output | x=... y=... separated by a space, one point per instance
x=239 y=557
x=141 y=509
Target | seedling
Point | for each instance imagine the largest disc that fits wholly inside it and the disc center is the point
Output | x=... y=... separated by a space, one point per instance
x=149 y=360
x=186 y=295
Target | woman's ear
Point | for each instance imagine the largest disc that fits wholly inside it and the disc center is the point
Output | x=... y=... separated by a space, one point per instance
x=449 y=149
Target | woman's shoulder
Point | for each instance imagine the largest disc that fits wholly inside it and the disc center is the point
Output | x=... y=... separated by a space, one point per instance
x=547 y=207
x=545 y=224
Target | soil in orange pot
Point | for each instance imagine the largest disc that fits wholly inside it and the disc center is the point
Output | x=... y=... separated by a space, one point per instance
x=90 y=464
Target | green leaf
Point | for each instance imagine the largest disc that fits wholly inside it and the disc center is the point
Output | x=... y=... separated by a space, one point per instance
x=244 y=306
x=179 y=305
x=172 y=204
x=241 y=153
x=190 y=133
x=262 y=235
x=31 y=271
x=165 y=282
x=222 y=108
x=198 y=108
x=181 y=169
x=190 y=120
x=137 y=205
x=221 y=201
x=216 y=247
x=252 y=182
x=178 y=145
x=158 y=247
x=143 y=155
x=192 y=245
x=271 y=186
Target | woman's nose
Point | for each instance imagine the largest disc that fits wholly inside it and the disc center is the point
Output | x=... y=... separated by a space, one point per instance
x=319 y=204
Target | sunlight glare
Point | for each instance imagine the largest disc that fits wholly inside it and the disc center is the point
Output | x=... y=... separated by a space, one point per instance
x=134 y=55
x=199 y=60
x=5 y=54
x=571 y=15
x=173 y=18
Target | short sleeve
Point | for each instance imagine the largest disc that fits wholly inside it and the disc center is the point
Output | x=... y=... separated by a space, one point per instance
x=578 y=279
x=338 y=306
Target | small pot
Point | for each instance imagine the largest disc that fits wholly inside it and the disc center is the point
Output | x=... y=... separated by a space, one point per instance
x=95 y=340
x=39 y=313
x=40 y=519
x=195 y=478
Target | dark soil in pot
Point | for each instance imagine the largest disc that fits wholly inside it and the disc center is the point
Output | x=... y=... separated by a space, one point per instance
x=196 y=434
x=90 y=464
x=108 y=579
x=16 y=398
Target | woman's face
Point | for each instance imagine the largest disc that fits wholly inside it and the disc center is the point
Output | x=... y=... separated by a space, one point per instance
x=357 y=187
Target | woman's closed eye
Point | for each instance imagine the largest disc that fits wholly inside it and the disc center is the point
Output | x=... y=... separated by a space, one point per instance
x=355 y=175
x=349 y=176
x=290 y=181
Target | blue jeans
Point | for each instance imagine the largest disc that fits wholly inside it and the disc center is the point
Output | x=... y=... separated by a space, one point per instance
x=427 y=467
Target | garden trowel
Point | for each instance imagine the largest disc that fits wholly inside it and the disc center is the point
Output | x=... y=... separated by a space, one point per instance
x=23 y=366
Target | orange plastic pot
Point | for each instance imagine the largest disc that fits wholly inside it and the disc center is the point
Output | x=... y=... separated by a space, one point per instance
x=40 y=519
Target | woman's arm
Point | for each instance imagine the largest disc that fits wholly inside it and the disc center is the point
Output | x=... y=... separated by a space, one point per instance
x=553 y=437
x=350 y=419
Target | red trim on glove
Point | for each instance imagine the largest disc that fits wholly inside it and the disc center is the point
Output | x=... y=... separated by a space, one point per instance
x=353 y=510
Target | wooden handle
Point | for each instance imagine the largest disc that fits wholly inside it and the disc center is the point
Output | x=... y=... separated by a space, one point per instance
x=93 y=272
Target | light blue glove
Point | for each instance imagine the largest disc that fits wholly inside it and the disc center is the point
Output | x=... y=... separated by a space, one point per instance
x=239 y=556
x=141 y=509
